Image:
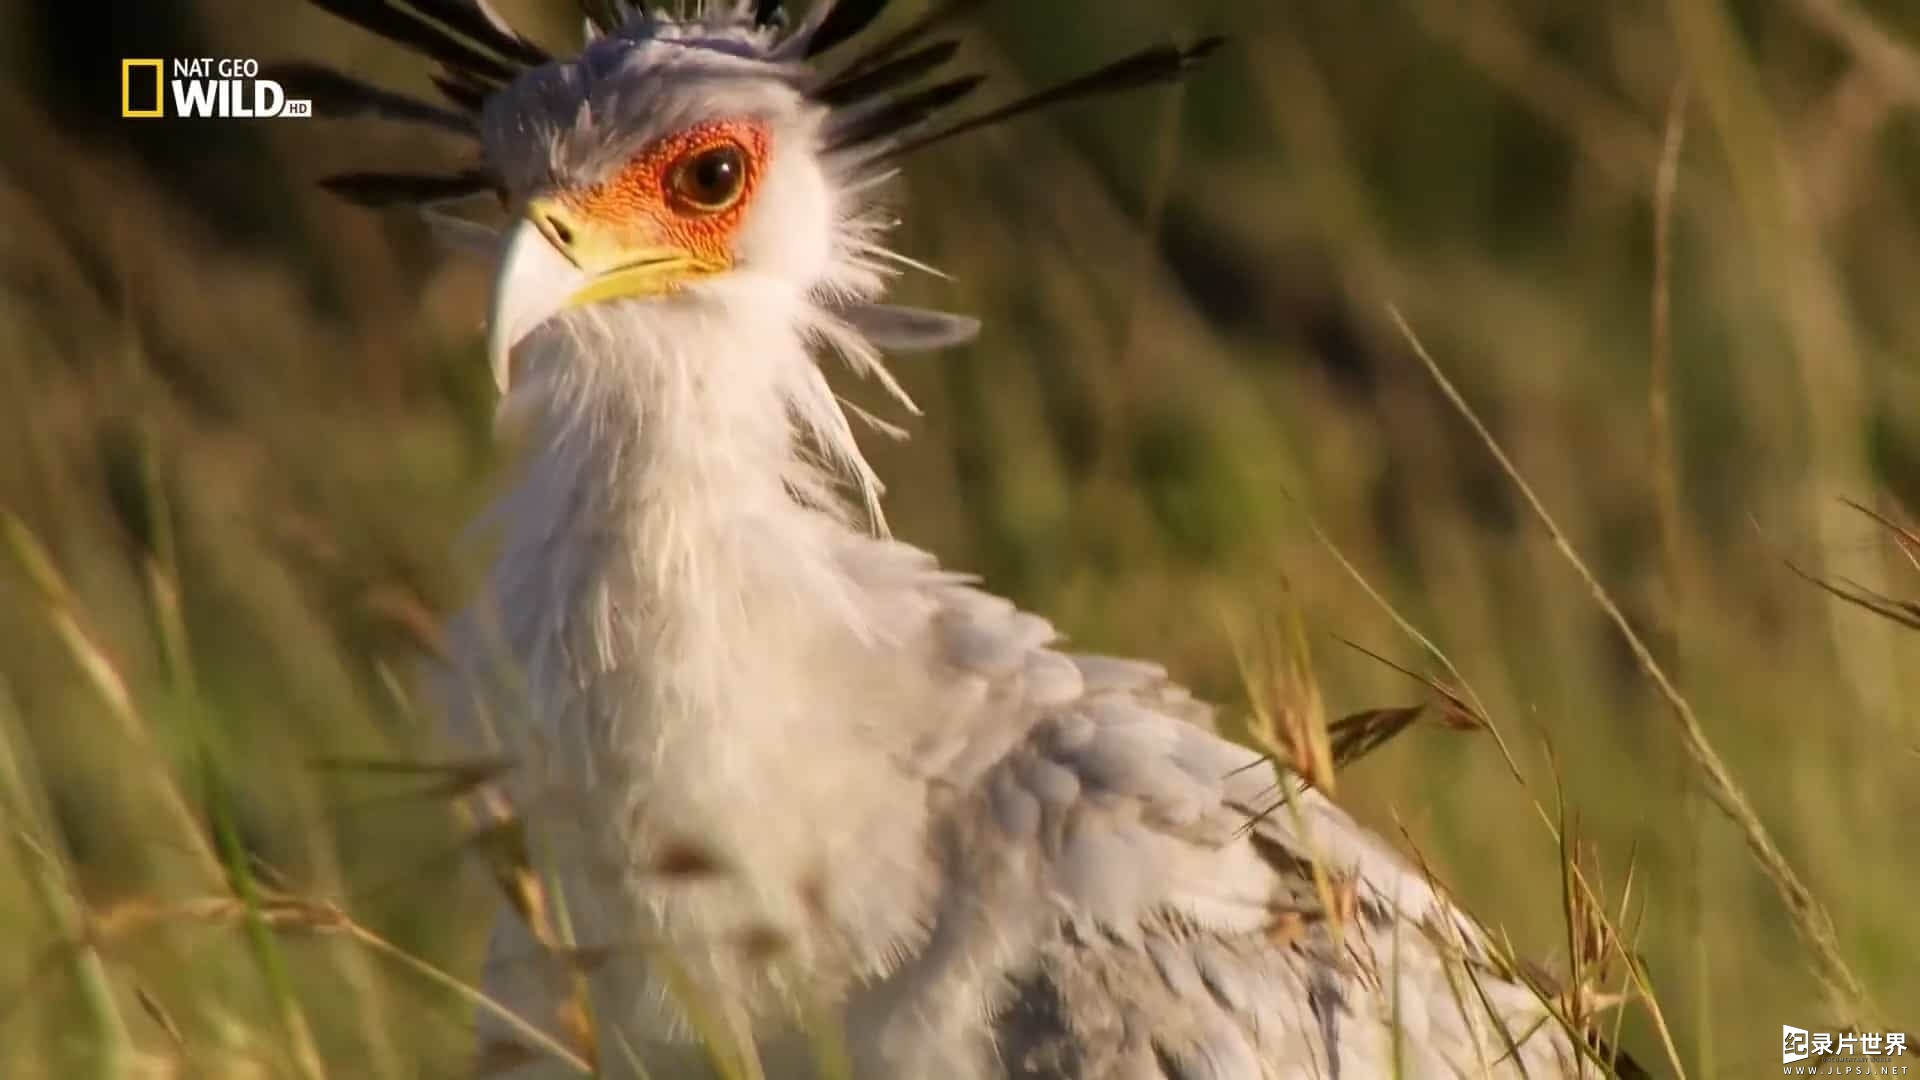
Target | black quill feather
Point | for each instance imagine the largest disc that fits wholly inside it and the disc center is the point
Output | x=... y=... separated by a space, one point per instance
x=467 y=17
x=336 y=94
x=392 y=189
x=898 y=116
x=845 y=19
x=1161 y=63
x=890 y=46
x=468 y=93
x=603 y=14
x=405 y=28
x=887 y=77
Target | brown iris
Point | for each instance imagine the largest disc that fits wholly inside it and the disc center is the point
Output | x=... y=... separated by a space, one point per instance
x=708 y=180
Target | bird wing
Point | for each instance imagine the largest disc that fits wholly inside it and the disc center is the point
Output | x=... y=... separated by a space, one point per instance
x=1127 y=893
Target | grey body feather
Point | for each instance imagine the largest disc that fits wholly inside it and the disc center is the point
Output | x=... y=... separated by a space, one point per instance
x=1075 y=884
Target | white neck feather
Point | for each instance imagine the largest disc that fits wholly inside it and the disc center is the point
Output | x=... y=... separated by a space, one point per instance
x=672 y=586
x=655 y=538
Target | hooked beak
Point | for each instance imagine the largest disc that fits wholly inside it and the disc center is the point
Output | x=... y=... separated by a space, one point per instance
x=554 y=260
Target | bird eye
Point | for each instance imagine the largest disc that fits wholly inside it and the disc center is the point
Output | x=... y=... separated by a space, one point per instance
x=709 y=180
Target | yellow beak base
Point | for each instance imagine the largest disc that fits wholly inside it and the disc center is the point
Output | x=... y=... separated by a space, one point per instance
x=552 y=262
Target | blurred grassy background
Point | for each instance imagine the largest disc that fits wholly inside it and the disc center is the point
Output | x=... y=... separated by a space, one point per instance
x=246 y=424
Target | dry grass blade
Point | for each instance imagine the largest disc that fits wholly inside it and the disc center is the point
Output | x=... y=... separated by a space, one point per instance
x=1879 y=52
x=1463 y=711
x=1450 y=940
x=293 y=914
x=1665 y=470
x=1592 y=941
x=498 y=833
x=63 y=613
x=1289 y=720
x=1468 y=701
x=293 y=1019
x=1666 y=494
x=113 y=1045
x=1448 y=936
x=1903 y=535
x=1456 y=712
x=452 y=779
x=1810 y=918
x=162 y=1018
x=1904 y=612
x=521 y=1028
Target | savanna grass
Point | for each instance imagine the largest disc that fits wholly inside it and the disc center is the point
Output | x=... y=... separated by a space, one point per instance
x=1665 y=253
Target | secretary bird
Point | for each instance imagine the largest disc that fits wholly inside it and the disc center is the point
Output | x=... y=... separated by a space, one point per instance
x=806 y=802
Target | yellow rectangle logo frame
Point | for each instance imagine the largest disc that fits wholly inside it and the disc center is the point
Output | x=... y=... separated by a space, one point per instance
x=127 y=68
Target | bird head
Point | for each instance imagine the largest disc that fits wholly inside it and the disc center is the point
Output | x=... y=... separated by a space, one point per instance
x=667 y=164
x=725 y=164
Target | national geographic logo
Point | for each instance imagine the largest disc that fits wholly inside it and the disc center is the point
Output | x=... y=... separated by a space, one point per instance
x=228 y=88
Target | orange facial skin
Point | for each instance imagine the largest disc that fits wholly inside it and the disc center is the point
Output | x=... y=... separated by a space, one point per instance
x=638 y=205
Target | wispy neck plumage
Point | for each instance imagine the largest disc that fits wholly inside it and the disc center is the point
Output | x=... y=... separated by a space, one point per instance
x=668 y=560
x=666 y=489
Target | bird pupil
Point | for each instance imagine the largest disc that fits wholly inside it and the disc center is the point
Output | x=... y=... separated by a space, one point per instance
x=715 y=171
x=712 y=177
